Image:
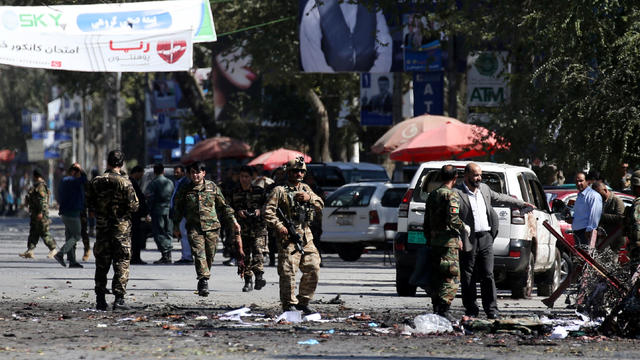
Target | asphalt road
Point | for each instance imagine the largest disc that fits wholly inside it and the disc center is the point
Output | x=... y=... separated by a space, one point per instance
x=365 y=284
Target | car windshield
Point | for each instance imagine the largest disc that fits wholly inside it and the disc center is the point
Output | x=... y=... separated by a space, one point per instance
x=351 y=196
x=430 y=180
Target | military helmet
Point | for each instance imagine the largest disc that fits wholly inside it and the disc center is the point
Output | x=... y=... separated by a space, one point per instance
x=635 y=178
x=297 y=163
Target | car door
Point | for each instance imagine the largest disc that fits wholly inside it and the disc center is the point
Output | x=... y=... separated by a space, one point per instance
x=347 y=211
x=546 y=243
x=415 y=220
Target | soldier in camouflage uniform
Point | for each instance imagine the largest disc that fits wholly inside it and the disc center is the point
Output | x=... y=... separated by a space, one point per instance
x=203 y=206
x=111 y=199
x=298 y=202
x=632 y=219
x=38 y=201
x=247 y=201
x=442 y=229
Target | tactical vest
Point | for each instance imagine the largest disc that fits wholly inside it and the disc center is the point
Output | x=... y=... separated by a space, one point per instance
x=344 y=50
x=301 y=213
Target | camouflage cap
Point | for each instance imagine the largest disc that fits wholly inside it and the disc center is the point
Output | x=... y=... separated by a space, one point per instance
x=635 y=178
x=297 y=163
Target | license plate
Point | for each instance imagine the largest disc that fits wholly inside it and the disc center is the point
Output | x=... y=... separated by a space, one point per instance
x=344 y=220
x=416 y=237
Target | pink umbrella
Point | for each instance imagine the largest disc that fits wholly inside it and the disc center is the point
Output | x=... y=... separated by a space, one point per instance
x=403 y=132
x=451 y=140
x=275 y=158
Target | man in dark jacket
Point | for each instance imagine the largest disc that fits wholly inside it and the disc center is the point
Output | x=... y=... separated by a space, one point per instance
x=612 y=214
x=138 y=236
x=71 y=195
x=159 y=194
x=476 y=258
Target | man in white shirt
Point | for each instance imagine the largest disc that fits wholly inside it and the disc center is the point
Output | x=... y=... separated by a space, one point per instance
x=343 y=36
x=476 y=258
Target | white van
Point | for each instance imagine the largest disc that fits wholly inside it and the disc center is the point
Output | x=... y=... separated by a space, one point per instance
x=524 y=250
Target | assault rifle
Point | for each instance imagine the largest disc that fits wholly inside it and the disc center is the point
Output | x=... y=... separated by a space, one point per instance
x=588 y=261
x=294 y=237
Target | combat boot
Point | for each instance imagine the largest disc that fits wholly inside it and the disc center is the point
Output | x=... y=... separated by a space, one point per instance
x=119 y=304
x=101 y=303
x=260 y=281
x=87 y=252
x=443 y=310
x=248 y=284
x=203 y=287
x=27 y=254
x=52 y=253
x=165 y=259
x=305 y=309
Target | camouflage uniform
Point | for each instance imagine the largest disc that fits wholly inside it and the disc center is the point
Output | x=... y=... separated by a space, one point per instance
x=301 y=215
x=201 y=206
x=254 y=229
x=632 y=229
x=38 y=202
x=112 y=198
x=442 y=228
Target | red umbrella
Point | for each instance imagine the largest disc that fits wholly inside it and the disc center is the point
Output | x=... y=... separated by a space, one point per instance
x=451 y=140
x=272 y=159
x=403 y=132
x=218 y=147
x=7 y=155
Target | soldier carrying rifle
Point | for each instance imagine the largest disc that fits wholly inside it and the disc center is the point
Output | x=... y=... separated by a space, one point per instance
x=298 y=202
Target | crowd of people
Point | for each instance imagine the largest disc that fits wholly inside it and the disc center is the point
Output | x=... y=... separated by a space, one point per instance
x=246 y=211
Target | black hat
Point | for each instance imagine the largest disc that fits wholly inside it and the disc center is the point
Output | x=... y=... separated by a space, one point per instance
x=115 y=158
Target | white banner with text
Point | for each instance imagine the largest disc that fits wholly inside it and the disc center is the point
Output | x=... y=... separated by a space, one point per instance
x=140 y=52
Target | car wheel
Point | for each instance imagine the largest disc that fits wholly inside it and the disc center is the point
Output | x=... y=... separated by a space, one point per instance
x=566 y=266
x=551 y=278
x=403 y=287
x=522 y=284
x=350 y=252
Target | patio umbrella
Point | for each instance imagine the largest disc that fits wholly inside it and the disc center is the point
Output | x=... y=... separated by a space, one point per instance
x=405 y=131
x=218 y=147
x=7 y=155
x=451 y=140
x=273 y=159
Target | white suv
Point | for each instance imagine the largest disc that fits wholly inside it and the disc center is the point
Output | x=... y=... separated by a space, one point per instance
x=524 y=251
x=361 y=214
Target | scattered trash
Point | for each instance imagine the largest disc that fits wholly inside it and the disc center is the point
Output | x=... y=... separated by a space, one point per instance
x=336 y=300
x=431 y=324
x=373 y=325
x=360 y=316
x=383 y=331
x=330 y=331
x=312 y=317
x=290 y=316
x=559 y=332
x=308 y=342
x=101 y=325
x=203 y=317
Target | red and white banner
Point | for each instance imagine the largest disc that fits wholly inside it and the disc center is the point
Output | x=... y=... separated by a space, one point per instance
x=140 y=52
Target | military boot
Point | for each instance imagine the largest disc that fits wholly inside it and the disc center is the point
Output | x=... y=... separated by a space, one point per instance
x=165 y=259
x=443 y=310
x=260 y=281
x=101 y=302
x=27 y=254
x=119 y=304
x=203 y=287
x=248 y=284
x=52 y=253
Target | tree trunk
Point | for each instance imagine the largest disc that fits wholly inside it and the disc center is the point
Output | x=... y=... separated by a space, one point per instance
x=321 y=141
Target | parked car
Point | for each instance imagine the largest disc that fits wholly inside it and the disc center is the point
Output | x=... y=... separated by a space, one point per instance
x=331 y=175
x=568 y=196
x=404 y=173
x=524 y=251
x=361 y=214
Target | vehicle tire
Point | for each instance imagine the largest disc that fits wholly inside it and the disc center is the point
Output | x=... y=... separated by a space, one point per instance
x=403 y=287
x=566 y=266
x=522 y=284
x=349 y=252
x=551 y=278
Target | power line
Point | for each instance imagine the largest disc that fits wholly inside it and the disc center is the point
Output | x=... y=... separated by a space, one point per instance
x=255 y=26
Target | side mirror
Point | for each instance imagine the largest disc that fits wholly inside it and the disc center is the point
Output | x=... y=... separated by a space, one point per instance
x=558 y=206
